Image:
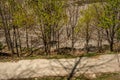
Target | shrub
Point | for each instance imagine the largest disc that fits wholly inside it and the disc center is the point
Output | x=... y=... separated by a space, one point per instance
x=1 y=46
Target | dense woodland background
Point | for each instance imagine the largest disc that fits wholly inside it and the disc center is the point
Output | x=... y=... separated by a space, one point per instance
x=29 y=27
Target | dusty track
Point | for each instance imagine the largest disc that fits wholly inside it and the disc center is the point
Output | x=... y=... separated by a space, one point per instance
x=59 y=67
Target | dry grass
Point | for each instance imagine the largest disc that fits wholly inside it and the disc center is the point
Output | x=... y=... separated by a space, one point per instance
x=105 y=76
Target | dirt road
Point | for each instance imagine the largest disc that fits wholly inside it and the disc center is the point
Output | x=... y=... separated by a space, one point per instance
x=59 y=67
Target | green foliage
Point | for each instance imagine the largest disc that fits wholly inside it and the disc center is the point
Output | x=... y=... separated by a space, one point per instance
x=50 y=11
x=87 y=15
x=110 y=13
x=87 y=18
x=20 y=16
x=18 y=19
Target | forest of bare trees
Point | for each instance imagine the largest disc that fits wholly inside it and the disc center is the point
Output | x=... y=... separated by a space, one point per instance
x=59 y=26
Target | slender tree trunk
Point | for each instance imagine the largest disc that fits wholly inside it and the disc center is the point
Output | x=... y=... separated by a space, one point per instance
x=31 y=50
x=87 y=39
x=99 y=41
x=111 y=45
x=73 y=40
x=58 y=42
x=9 y=41
x=27 y=43
x=16 y=41
x=19 y=40
x=6 y=29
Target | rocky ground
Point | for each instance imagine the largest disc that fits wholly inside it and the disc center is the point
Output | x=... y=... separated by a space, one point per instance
x=60 y=67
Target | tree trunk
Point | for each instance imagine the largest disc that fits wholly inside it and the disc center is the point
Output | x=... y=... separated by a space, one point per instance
x=99 y=42
x=111 y=46
x=87 y=39
x=73 y=40
x=19 y=40
x=27 y=43
x=16 y=43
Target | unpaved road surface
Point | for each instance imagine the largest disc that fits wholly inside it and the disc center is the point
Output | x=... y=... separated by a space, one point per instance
x=59 y=67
